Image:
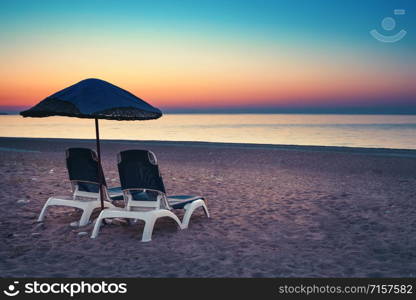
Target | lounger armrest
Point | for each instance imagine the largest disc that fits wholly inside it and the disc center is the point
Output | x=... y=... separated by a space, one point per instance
x=160 y=202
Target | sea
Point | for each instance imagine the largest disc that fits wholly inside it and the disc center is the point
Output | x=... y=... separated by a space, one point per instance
x=369 y=131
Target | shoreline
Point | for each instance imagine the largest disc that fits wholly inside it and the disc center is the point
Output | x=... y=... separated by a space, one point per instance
x=302 y=148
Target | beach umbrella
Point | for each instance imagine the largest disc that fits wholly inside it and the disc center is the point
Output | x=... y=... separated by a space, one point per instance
x=94 y=99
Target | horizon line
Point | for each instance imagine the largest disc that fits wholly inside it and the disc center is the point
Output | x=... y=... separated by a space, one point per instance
x=382 y=109
x=16 y=113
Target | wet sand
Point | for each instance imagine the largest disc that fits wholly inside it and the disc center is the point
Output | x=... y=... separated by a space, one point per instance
x=277 y=211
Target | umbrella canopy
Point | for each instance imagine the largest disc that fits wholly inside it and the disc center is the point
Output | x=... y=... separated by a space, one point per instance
x=94 y=99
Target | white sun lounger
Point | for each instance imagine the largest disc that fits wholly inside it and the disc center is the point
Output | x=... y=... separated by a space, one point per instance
x=145 y=196
x=82 y=165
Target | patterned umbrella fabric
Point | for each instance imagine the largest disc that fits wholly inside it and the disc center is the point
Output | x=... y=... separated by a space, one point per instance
x=95 y=99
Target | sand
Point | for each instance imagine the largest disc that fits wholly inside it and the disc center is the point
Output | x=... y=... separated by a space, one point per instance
x=276 y=212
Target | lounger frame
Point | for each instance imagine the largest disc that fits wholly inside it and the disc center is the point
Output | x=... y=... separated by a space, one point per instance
x=149 y=212
x=86 y=201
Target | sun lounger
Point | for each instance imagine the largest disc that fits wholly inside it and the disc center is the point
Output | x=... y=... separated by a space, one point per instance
x=83 y=168
x=145 y=195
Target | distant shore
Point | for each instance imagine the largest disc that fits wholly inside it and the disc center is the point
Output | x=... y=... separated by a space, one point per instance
x=351 y=150
x=277 y=211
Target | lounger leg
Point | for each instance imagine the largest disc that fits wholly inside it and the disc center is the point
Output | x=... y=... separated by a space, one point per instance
x=204 y=206
x=148 y=229
x=189 y=210
x=97 y=226
x=43 y=212
x=86 y=214
x=147 y=232
x=151 y=220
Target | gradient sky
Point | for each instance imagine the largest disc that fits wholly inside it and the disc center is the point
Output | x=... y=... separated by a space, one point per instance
x=212 y=54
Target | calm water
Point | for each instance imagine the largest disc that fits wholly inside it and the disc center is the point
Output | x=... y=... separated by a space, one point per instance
x=385 y=131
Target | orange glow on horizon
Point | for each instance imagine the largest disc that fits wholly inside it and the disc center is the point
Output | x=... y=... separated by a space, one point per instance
x=204 y=76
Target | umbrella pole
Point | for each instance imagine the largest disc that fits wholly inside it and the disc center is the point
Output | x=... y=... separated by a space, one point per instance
x=97 y=140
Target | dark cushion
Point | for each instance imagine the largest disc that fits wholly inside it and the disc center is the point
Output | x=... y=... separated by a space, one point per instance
x=179 y=201
x=116 y=193
x=144 y=196
x=88 y=187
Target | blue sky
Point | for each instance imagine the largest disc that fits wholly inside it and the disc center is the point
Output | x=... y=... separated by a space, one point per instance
x=63 y=41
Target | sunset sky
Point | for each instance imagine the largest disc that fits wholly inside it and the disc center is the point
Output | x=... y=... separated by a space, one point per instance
x=212 y=55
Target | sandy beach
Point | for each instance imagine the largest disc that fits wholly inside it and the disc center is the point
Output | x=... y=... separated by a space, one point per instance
x=277 y=211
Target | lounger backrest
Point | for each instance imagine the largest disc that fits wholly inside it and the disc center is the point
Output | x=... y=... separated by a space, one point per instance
x=140 y=176
x=82 y=165
x=138 y=169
